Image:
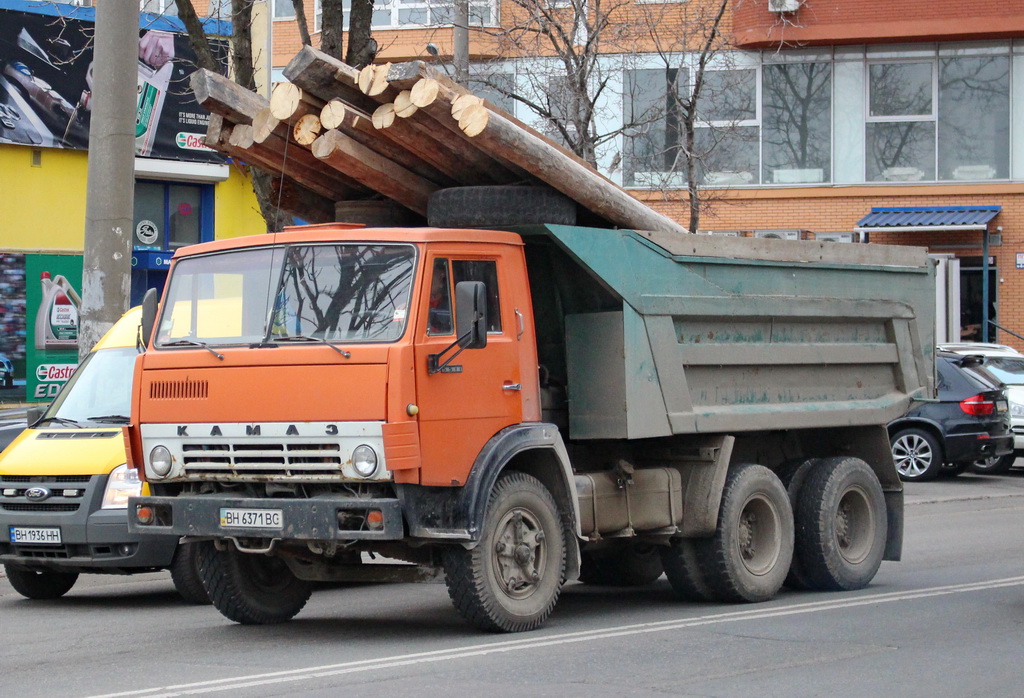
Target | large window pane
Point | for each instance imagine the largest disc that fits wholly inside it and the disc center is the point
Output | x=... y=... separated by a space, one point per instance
x=728 y=95
x=727 y=155
x=796 y=122
x=651 y=120
x=901 y=151
x=974 y=118
x=901 y=89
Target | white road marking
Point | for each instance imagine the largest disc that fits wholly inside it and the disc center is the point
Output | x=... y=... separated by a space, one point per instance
x=534 y=642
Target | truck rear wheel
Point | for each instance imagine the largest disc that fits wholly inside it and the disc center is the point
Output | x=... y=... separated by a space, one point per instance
x=793 y=474
x=682 y=567
x=749 y=556
x=841 y=525
x=511 y=580
x=40 y=585
x=185 y=574
x=249 y=588
x=626 y=565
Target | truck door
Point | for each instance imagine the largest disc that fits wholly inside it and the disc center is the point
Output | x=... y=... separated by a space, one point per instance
x=480 y=391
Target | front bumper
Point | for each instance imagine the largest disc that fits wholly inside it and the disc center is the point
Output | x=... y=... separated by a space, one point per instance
x=316 y=519
x=92 y=539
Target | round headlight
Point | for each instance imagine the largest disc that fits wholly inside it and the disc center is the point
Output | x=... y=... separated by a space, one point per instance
x=364 y=460
x=160 y=461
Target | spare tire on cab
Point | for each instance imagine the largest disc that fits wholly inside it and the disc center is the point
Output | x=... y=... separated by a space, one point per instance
x=497 y=206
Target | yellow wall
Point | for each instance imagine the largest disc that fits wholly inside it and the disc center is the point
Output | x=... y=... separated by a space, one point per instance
x=43 y=207
x=236 y=212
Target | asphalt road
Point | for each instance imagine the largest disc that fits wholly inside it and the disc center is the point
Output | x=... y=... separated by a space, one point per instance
x=946 y=621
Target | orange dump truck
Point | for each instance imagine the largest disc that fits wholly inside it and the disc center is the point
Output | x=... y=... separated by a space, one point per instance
x=519 y=409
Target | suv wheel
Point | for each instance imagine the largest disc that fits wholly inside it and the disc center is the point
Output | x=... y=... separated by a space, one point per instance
x=917 y=454
x=994 y=465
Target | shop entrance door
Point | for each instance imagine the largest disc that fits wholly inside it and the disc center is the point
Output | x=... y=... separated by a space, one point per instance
x=971 y=305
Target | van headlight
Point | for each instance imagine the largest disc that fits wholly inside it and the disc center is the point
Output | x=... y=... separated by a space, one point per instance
x=1016 y=409
x=364 y=460
x=160 y=461
x=122 y=483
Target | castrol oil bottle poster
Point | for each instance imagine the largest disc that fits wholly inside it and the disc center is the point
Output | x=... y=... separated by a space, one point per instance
x=52 y=302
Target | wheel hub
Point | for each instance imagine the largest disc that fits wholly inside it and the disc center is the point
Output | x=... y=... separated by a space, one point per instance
x=519 y=553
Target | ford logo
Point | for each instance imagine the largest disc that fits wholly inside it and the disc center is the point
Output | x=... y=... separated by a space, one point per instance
x=37 y=494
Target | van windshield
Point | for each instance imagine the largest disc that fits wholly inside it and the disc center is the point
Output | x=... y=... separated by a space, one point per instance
x=100 y=389
x=351 y=292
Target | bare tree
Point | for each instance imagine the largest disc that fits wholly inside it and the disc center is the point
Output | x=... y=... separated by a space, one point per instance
x=578 y=59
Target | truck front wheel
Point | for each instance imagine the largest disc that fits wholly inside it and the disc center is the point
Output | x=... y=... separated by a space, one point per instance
x=40 y=584
x=511 y=580
x=841 y=525
x=749 y=556
x=249 y=588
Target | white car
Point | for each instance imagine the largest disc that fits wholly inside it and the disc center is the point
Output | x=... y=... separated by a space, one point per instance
x=1006 y=365
x=6 y=372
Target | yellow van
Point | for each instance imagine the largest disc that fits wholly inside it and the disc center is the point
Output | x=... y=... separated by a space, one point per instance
x=64 y=485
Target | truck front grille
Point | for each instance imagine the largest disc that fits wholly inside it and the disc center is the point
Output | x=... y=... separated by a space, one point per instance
x=44 y=506
x=280 y=461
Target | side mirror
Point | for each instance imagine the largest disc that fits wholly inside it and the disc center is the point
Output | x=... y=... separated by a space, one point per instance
x=34 y=413
x=471 y=314
x=149 y=302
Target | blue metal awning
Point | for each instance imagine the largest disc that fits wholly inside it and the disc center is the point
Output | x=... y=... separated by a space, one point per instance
x=923 y=218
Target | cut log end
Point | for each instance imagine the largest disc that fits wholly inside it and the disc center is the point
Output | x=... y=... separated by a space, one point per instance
x=306 y=129
x=241 y=136
x=263 y=124
x=474 y=120
x=424 y=92
x=365 y=79
x=379 y=83
x=384 y=116
x=403 y=104
x=463 y=102
x=284 y=100
x=333 y=114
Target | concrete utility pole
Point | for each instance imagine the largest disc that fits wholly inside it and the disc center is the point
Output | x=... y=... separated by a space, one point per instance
x=460 y=40
x=106 y=263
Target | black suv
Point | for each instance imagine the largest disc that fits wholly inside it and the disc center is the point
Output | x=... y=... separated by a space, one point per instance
x=969 y=422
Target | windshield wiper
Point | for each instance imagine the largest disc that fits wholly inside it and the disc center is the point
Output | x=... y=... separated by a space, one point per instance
x=111 y=419
x=307 y=338
x=60 y=420
x=193 y=343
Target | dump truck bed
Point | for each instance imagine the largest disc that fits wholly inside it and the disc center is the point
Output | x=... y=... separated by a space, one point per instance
x=699 y=334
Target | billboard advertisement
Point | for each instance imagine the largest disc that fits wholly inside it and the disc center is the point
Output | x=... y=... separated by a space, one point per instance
x=46 y=71
x=52 y=302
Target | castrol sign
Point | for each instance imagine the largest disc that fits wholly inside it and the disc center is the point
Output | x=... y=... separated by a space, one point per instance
x=54 y=373
x=50 y=378
x=191 y=141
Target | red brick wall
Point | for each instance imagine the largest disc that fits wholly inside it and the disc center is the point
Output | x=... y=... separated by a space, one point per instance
x=833 y=22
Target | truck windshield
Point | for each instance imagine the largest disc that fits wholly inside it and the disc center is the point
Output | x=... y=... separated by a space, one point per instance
x=338 y=293
x=100 y=389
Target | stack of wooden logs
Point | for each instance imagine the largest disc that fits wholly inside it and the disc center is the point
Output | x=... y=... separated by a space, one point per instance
x=334 y=135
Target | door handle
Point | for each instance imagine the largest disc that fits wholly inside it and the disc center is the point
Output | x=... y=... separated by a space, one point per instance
x=512 y=386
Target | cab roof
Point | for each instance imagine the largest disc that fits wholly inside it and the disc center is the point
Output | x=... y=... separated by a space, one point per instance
x=348 y=232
